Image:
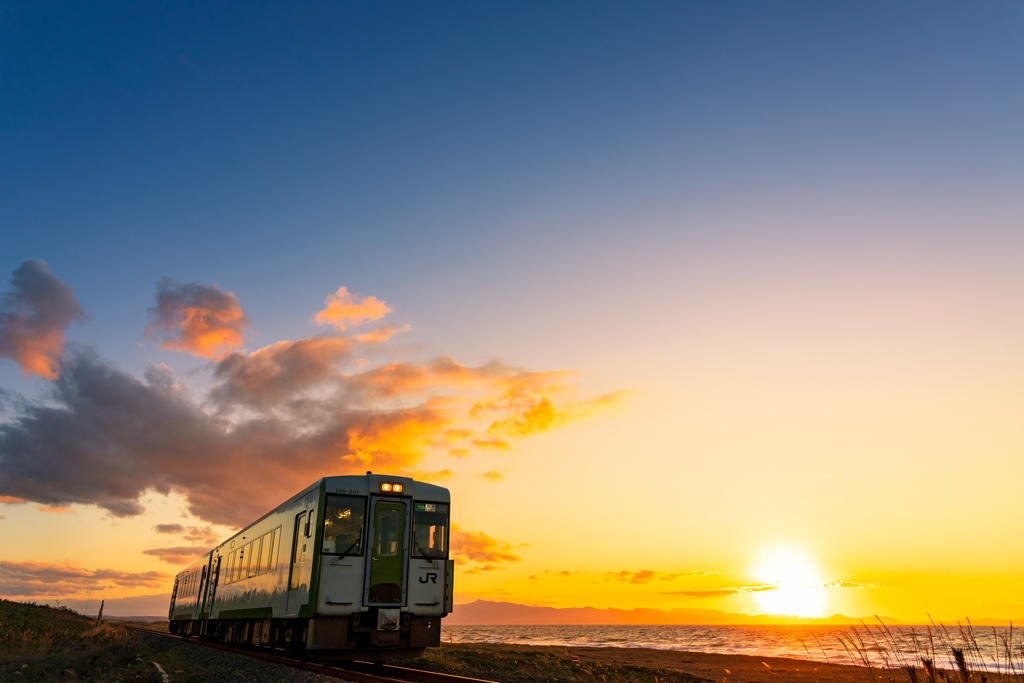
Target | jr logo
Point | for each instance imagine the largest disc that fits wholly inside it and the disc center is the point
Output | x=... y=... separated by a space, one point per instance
x=429 y=578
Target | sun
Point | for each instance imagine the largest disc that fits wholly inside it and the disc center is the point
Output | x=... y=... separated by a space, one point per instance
x=790 y=583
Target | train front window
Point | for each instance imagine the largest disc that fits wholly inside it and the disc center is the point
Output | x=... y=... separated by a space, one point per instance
x=430 y=530
x=343 y=525
x=388 y=528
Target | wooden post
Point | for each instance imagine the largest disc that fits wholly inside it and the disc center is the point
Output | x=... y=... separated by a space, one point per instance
x=100 y=615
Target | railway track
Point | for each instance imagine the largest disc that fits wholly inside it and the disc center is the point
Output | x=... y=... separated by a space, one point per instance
x=353 y=671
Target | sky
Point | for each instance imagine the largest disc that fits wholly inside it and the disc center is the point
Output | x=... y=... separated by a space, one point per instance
x=690 y=305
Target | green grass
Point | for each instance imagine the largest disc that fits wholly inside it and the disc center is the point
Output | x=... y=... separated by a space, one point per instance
x=479 y=661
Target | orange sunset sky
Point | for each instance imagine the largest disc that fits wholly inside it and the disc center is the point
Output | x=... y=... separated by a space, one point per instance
x=689 y=307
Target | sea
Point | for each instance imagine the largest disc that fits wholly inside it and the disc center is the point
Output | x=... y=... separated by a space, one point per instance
x=986 y=648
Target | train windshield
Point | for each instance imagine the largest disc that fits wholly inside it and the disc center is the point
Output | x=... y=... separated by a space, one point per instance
x=430 y=530
x=343 y=525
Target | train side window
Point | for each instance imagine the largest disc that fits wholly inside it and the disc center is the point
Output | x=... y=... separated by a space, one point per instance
x=229 y=577
x=254 y=560
x=265 y=548
x=343 y=525
x=430 y=530
x=243 y=567
x=276 y=552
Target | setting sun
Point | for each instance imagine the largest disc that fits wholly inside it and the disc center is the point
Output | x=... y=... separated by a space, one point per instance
x=793 y=583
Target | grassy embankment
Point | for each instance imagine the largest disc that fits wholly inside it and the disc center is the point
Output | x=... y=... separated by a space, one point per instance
x=39 y=643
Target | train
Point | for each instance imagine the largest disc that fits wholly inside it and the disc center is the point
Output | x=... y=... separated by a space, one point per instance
x=351 y=568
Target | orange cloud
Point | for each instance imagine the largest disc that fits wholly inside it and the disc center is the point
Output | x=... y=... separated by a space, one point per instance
x=178 y=555
x=476 y=546
x=491 y=476
x=440 y=475
x=492 y=442
x=60 y=510
x=12 y=500
x=529 y=414
x=24 y=579
x=200 y=320
x=480 y=569
x=33 y=318
x=381 y=334
x=345 y=309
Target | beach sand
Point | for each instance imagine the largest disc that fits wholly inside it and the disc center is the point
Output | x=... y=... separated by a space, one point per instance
x=725 y=667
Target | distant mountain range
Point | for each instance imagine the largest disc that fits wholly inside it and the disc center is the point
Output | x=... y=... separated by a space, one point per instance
x=488 y=613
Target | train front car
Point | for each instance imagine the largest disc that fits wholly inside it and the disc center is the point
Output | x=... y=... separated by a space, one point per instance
x=385 y=580
x=349 y=568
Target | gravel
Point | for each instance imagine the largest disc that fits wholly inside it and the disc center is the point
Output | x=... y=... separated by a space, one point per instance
x=198 y=664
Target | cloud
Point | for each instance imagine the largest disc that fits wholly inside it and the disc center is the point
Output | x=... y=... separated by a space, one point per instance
x=480 y=569
x=59 y=509
x=194 y=534
x=199 y=319
x=725 y=592
x=381 y=334
x=12 y=500
x=179 y=554
x=24 y=579
x=492 y=442
x=278 y=372
x=33 y=318
x=345 y=309
x=476 y=546
x=491 y=476
x=267 y=423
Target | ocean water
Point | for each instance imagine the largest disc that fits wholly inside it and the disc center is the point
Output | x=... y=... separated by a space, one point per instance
x=892 y=647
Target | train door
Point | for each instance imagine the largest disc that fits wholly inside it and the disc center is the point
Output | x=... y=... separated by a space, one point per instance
x=300 y=571
x=174 y=595
x=211 y=590
x=387 y=560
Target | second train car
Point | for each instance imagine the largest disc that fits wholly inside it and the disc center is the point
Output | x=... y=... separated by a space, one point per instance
x=353 y=567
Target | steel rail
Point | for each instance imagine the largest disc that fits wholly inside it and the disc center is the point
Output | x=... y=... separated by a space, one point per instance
x=399 y=674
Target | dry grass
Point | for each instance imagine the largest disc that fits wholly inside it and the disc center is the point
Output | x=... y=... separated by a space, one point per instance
x=938 y=654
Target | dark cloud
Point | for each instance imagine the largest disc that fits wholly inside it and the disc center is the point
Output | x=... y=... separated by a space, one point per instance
x=106 y=438
x=33 y=318
x=169 y=528
x=45 y=578
x=199 y=319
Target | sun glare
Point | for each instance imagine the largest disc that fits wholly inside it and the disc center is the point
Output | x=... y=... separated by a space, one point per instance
x=791 y=583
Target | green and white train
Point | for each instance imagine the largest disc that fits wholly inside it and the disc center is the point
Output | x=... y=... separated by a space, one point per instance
x=350 y=568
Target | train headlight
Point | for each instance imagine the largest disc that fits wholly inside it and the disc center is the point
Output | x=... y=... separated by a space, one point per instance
x=397 y=488
x=385 y=487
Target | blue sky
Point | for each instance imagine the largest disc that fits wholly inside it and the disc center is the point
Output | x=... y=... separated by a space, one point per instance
x=409 y=150
x=754 y=215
